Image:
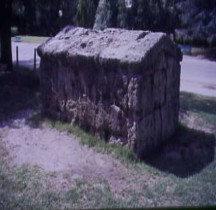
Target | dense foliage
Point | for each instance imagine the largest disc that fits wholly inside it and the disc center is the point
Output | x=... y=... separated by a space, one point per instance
x=41 y=17
x=196 y=19
x=155 y=15
x=85 y=14
x=197 y=22
x=47 y=17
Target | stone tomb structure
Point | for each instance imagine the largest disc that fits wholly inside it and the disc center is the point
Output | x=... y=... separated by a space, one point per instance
x=121 y=85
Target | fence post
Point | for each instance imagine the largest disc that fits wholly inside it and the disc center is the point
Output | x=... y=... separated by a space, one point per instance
x=35 y=59
x=17 y=56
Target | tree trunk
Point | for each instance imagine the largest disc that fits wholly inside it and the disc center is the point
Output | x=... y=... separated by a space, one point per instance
x=5 y=33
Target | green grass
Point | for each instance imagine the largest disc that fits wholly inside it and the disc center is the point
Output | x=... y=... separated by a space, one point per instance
x=196 y=103
x=28 y=187
x=198 y=51
x=188 y=181
x=33 y=39
x=186 y=178
x=209 y=53
x=201 y=106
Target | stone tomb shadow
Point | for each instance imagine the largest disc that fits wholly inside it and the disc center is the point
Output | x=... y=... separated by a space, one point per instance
x=188 y=153
x=19 y=91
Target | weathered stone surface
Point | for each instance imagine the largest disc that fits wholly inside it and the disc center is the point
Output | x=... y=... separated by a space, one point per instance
x=119 y=84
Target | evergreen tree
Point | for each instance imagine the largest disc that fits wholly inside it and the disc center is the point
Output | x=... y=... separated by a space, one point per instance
x=85 y=14
x=143 y=17
x=155 y=15
x=106 y=15
x=5 y=33
x=122 y=14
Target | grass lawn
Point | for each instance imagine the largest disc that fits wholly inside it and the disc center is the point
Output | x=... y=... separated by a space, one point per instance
x=180 y=173
x=32 y=39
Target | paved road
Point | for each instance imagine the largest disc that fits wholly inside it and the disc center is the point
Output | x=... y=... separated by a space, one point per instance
x=197 y=75
x=26 y=54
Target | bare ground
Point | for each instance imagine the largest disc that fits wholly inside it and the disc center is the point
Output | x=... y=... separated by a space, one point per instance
x=62 y=154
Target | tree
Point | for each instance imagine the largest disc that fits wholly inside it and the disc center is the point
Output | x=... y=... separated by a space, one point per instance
x=155 y=15
x=85 y=15
x=5 y=33
x=143 y=18
x=122 y=14
x=106 y=14
x=102 y=15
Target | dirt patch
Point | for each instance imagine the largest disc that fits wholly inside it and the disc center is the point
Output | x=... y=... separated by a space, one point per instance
x=59 y=153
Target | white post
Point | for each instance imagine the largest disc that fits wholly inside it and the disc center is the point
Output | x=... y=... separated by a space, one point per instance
x=60 y=13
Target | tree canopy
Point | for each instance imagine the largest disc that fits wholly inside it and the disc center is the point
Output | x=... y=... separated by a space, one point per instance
x=47 y=17
x=155 y=15
x=5 y=33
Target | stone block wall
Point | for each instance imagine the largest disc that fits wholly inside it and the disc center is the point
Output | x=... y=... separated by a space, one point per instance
x=127 y=95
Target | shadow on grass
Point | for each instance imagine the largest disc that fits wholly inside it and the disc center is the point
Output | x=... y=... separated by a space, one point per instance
x=188 y=153
x=193 y=102
x=19 y=90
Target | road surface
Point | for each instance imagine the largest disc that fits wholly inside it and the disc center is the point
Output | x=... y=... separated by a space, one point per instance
x=198 y=75
x=25 y=54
